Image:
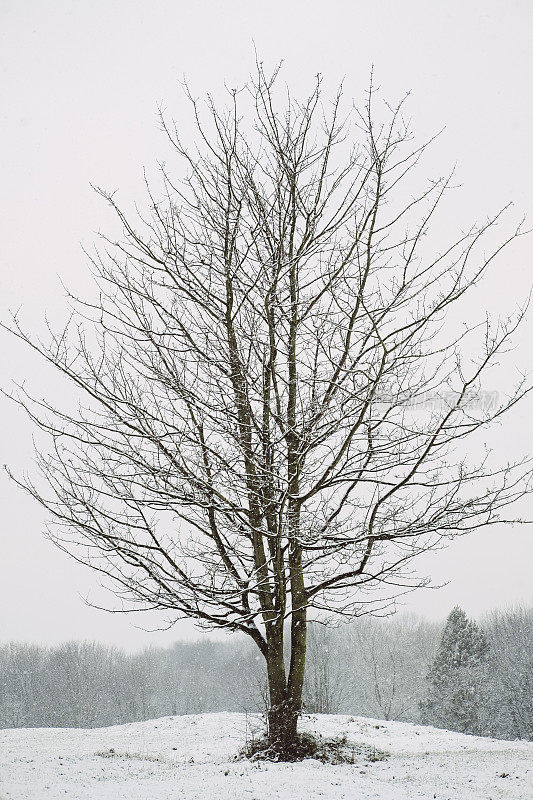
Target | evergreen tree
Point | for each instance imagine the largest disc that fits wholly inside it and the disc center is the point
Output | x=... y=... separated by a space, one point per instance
x=457 y=677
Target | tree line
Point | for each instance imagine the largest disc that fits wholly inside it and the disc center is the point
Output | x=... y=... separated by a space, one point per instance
x=467 y=677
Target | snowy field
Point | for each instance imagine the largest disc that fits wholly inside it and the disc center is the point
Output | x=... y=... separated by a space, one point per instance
x=191 y=757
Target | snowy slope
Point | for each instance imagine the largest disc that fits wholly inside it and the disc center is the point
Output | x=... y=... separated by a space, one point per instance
x=191 y=757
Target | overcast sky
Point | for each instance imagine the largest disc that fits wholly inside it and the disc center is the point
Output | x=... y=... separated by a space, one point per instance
x=79 y=90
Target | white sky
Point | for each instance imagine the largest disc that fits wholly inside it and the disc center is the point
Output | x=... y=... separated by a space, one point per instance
x=80 y=83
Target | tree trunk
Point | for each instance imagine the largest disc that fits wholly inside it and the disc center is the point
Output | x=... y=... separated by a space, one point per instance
x=286 y=695
x=283 y=728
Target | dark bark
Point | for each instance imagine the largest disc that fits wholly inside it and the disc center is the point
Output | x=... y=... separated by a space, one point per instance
x=284 y=710
x=283 y=729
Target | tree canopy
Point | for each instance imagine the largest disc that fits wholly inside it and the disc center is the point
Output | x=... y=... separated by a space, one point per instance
x=259 y=438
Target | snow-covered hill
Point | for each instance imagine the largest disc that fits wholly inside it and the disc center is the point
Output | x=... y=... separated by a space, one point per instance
x=191 y=758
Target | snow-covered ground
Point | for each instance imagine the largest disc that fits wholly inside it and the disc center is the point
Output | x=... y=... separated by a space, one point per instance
x=191 y=757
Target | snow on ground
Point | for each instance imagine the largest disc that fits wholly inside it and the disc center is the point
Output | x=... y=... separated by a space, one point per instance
x=191 y=758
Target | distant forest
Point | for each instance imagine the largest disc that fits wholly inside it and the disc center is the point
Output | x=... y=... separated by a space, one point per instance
x=396 y=668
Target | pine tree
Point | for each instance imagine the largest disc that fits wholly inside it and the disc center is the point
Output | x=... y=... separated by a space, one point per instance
x=457 y=677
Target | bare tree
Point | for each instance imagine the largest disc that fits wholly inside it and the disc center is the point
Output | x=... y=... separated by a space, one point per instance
x=325 y=689
x=256 y=445
x=393 y=658
x=509 y=710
